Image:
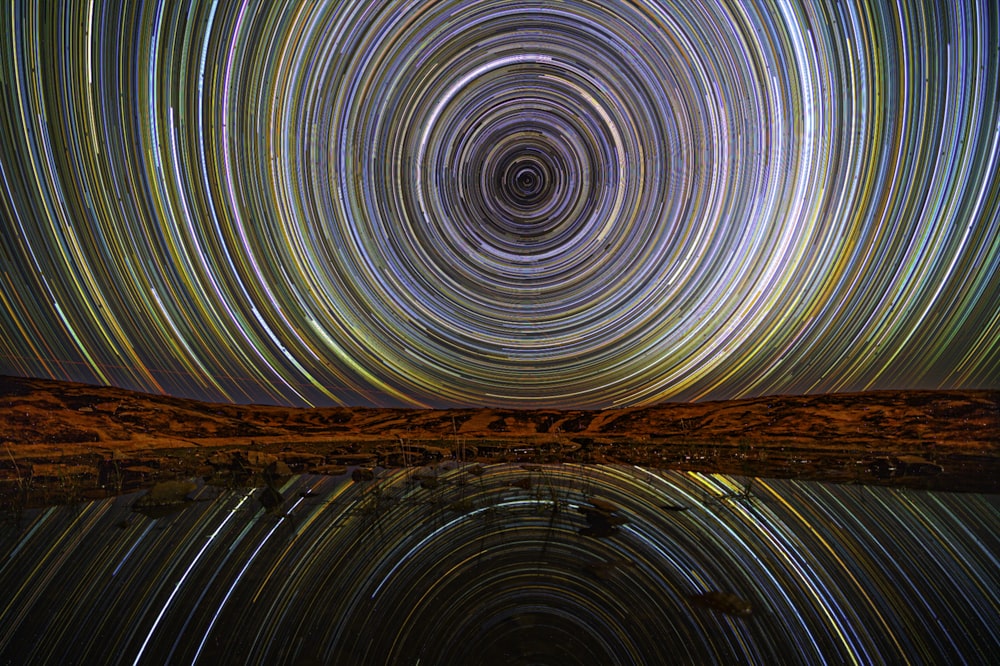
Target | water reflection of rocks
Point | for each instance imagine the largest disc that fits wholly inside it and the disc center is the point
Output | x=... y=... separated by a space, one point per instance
x=507 y=563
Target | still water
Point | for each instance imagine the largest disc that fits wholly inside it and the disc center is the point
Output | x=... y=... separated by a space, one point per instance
x=509 y=564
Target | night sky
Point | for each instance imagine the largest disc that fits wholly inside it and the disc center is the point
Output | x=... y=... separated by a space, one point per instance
x=500 y=202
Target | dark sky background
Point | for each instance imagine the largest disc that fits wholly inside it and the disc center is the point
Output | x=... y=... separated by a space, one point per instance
x=531 y=204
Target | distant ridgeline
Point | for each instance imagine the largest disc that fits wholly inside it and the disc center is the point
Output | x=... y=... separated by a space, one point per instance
x=82 y=440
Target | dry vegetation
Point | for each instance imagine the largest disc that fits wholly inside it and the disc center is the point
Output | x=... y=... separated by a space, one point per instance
x=65 y=441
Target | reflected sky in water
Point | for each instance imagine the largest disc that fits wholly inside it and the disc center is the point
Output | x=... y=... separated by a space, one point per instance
x=503 y=564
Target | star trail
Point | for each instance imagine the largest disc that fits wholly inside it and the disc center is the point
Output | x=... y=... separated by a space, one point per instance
x=496 y=202
x=499 y=564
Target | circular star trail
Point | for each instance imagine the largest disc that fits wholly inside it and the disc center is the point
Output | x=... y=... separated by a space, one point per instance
x=506 y=567
x=501 y=202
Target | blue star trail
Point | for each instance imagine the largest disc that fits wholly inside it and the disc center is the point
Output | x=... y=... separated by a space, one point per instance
x=501 y=564
x=529 y=204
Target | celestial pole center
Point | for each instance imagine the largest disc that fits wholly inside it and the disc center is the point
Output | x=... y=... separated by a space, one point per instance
x=501 y=202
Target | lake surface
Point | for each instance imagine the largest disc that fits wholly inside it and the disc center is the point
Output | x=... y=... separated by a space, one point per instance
x=503 y=564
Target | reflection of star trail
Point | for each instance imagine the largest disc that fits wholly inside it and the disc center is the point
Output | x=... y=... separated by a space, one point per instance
x=521 y=202
x=494 y=567
x=191 y=566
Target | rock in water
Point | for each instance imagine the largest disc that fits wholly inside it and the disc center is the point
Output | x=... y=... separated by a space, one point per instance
x=164 y=498
x=723 y=602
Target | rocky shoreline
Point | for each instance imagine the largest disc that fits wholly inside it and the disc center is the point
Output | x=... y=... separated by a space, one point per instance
x=64 y=442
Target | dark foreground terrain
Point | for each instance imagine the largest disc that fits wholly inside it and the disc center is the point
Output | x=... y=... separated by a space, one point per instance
x=64 y=442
